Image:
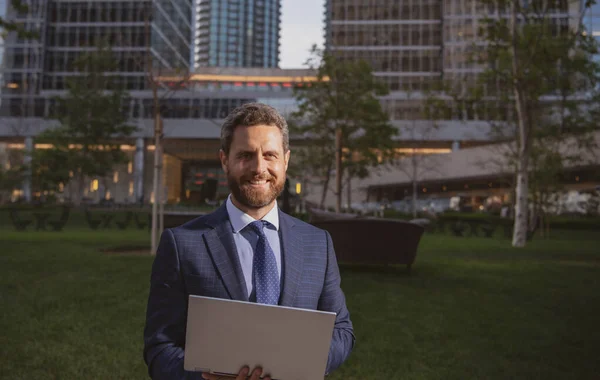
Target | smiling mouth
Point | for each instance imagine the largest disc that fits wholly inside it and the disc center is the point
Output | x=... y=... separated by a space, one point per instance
x=258 y=182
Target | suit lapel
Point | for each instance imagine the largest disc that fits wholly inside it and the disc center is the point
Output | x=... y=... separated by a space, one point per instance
x=223 y=251
x=293 y=260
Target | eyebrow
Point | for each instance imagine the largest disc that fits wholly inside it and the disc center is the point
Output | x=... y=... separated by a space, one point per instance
x=254 y=152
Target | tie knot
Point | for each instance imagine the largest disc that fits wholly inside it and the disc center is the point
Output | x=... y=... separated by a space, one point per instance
x=258 y=226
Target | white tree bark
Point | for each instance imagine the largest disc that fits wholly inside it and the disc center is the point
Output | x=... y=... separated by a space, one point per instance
x=522 y=190
x=521 y=209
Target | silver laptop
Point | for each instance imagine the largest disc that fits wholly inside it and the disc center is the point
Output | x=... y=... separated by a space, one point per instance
x=289 y=344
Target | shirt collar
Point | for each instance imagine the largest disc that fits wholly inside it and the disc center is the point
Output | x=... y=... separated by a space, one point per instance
x=239 y=219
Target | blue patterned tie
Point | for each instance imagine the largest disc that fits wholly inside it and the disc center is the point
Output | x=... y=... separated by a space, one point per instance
x=266 y=274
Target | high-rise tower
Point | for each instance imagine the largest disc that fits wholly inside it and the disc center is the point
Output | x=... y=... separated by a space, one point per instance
x=237 y=33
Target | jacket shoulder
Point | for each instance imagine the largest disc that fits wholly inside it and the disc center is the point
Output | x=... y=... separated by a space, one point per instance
x=196 y=225
x=305 y=227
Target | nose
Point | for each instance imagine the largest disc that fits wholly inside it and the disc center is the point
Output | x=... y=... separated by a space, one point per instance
x=259 y=165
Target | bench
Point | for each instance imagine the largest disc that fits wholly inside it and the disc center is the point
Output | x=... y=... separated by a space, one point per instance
x=373 y=240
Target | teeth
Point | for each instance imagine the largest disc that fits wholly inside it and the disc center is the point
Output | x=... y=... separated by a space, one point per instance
x=258 y=182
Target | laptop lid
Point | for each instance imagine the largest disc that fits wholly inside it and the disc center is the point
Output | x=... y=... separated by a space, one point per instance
x=222 y=336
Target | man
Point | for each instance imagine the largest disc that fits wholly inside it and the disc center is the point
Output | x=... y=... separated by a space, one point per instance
x=247 y=250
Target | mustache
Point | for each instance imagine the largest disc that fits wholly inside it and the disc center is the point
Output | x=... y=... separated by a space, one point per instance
x=258 y=178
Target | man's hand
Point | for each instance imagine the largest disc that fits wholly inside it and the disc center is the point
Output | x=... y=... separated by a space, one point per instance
x=243 y=375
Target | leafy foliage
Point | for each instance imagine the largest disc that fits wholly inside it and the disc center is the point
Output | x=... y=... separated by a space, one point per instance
x=344 y=98
x=92 y=124
x=13 y=26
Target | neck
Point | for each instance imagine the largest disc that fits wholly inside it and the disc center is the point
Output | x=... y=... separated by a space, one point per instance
x=256 y=213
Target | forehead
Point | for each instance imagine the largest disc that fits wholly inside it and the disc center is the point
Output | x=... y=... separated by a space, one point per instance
x=255 y=136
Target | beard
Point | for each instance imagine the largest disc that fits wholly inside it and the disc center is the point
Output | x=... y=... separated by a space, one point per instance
x=250 y=197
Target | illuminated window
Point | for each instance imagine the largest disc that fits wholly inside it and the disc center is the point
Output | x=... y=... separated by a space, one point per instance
x=94 y=185
x=130 y=167
x=107 y=195
x=130 y=187
x=116 y=177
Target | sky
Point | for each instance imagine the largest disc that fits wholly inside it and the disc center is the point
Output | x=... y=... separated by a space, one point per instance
x=302 y=23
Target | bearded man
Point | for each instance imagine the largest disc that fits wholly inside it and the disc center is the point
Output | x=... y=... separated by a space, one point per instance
x=247 y=250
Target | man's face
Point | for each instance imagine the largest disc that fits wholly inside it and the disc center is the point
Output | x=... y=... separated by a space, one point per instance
x=256 y=165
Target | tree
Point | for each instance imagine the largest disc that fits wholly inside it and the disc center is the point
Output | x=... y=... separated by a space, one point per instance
x=10 y=178
x=156 y=74
x=547 y=166
x=416 y=164
x=342 y=118
x=92 y=122
x=543 y=68
x=13 y=26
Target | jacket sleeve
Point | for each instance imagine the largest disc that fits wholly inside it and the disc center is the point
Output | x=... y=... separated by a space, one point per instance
x=333 y=299
x=166 y=315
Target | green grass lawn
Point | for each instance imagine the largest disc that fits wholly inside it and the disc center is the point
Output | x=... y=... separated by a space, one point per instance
x=471 y=309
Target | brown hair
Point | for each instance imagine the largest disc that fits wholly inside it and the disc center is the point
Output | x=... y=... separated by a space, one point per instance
x=251 y=114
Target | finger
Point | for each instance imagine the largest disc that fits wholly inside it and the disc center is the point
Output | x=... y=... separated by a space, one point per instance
x=256 y=373
x=243 y=373
x=208 y=376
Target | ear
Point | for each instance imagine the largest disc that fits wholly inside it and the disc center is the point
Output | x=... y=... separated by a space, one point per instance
x=286 y=158
x=224 y=160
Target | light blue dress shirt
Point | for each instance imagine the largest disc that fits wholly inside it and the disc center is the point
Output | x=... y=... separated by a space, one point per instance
x=245 y=239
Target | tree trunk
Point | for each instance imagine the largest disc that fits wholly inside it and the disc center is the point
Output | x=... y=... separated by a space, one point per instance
x=520 y=226
x=325 y=187
x=156 y=179
x=338 y=170
x=349 y=191
x=414 y=184
x=162 y=195
x=78 y=194
x=521 y=211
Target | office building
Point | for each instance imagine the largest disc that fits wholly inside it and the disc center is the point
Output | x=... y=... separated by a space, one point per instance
x=34 y=68
x=192 y=118
x=35 y=71
x=415 y=45
x=592 y=23
x=237 y=33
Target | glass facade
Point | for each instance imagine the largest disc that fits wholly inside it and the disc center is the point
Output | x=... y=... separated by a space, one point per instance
x=172 y=31
x=3 y=6
x=22 y=61
x=70 y=28
x=593 y=23
x=237 y=33
x=3 y=9
x=414 y=45
x=401 y=40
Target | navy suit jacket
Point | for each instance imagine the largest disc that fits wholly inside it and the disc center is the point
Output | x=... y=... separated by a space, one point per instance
x=200 y=258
